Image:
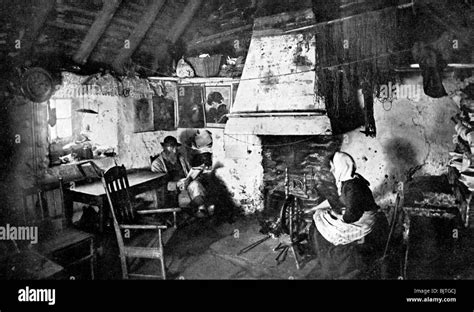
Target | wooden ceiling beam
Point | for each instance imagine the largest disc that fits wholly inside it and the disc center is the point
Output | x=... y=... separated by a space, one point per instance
x=219 y=37
x=96 y=31
x=161 y=51
x=182 y=22
x=68 y=26
x=138 y=33
x=63 y=8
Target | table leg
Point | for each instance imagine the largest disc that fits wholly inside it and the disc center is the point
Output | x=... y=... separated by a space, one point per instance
x=92 y=260
x=102 y=207
x=68 y=209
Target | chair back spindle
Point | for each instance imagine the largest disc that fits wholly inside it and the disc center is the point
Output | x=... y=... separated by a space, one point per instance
x=117 y=184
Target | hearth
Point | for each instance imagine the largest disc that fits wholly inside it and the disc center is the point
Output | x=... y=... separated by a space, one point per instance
x=306 y=159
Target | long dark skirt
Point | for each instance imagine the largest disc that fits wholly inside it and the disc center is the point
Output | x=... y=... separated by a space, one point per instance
x=351 y=261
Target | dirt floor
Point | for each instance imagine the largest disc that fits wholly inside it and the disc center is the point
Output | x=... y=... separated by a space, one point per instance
x=204 y=250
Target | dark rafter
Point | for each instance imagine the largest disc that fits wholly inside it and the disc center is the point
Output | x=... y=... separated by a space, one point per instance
x=41 y=8
x=179 y=27
x=183 y=21
x=96 y=31
x=451 y=24
x=138 y=33
x=204 y=42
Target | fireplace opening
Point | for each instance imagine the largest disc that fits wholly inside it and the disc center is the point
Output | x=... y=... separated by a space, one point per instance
x=300 y=156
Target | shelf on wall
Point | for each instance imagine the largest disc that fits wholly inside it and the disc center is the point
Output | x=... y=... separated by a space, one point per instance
x=207 y=80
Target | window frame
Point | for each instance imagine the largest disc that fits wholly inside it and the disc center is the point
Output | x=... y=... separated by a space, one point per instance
x=54 y=136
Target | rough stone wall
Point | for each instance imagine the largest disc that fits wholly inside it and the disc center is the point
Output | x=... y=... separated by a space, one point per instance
x=241 y=170
x=103 y=127
x=410 y=132
x=135 y=149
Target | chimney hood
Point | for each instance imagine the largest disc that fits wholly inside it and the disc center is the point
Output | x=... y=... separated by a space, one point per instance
x=276 y=94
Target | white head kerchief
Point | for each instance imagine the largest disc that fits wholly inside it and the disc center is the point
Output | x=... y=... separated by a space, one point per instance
x=344 y=168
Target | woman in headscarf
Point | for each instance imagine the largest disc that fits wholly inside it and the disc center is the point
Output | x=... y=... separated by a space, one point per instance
x=347 y=242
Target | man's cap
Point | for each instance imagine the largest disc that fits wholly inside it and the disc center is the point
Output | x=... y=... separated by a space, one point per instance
x=170 y=141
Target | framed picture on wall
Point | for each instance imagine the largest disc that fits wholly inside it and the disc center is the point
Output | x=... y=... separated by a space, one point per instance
x=190 y=106
x=143 y=115
x=163 y=113
x=217 y=106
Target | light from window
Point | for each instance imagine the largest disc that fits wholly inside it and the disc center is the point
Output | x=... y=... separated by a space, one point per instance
x=63 y=127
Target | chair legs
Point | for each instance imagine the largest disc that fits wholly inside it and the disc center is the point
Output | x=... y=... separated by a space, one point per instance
x=162 y=259
x=123 y=260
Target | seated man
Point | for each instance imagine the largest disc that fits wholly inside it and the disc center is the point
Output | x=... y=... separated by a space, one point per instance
x=182 y=176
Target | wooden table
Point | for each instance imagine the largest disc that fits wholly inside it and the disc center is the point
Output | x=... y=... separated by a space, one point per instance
x=93 y=193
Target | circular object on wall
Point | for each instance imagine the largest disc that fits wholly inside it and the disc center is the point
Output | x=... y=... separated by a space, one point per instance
x=37 y=84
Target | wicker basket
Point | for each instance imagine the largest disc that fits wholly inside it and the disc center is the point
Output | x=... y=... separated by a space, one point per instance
x=206 y=66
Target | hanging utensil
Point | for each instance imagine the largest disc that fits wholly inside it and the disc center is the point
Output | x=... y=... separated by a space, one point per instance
x=84 y=110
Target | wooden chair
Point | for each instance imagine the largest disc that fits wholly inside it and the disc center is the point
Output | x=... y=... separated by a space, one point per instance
x=116 y=185
x=65 y=245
